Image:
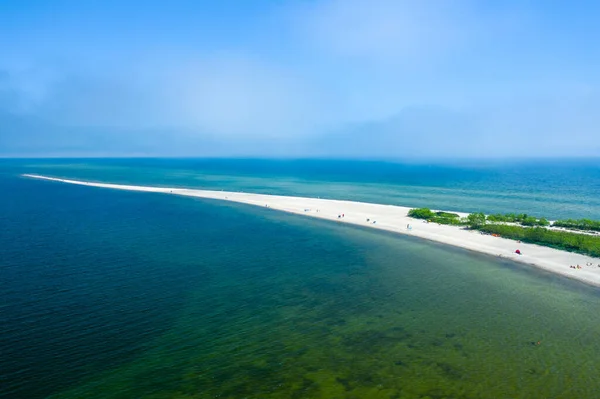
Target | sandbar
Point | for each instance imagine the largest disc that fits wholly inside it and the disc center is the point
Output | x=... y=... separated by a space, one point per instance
x=394 y=219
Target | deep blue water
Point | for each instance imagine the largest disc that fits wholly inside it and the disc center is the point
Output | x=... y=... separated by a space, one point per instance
x=114 y=294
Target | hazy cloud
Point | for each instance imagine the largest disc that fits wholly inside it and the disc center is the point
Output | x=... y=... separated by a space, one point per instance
x=389 y=31
x=354 y=78
x=236 y=95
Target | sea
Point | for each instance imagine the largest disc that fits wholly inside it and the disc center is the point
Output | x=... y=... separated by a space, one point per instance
x=116 y=294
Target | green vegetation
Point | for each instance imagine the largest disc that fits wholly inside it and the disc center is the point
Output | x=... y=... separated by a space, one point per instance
x=574 y=242
x=521 y=218
x=531 y=229
x=476 y=220
x=579 y=224
x=421 y=213
x=508 y=217
x=446 y=214
x=435 y=217
x=532 y=221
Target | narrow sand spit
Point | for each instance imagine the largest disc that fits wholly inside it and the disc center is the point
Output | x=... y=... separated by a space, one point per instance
x=392 y=218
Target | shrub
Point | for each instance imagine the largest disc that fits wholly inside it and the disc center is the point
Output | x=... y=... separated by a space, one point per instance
x=476 y=220
x=586 y=244
x=436 y=217
x=446 y=220
x=529 y=221
x=421 y=213
x=498 y=218
x=447 y=215
x=533 y=232
x=580 y=224
x=523 y=219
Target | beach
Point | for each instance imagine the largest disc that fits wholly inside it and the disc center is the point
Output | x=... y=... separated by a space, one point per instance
x=393 y=219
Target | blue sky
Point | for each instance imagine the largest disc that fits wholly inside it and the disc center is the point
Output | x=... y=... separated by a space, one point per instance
x=351 y=78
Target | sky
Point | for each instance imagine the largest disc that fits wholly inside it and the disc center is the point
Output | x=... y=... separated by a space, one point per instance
x=323 y=78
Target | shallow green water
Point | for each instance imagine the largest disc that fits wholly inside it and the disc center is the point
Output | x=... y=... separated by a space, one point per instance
x=135 y=295
x=393 y=325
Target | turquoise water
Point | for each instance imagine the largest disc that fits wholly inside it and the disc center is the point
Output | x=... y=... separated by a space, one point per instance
x=551 y=188
x=112 y=294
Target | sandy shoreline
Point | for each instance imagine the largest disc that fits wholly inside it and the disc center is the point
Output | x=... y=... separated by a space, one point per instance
x=391 y=218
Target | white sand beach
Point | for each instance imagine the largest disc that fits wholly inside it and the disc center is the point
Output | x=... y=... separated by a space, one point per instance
x=394 y=219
